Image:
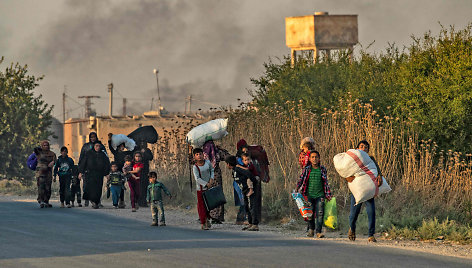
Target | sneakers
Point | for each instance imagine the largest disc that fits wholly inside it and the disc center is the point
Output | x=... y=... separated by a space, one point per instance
x=372 y=239
x=320 y=235
x=86 y=203
x=246 y=227
x=163 y=224
x=62 y=205
x=311 y=233
x=154 y=223
x=115 y=207
x=69 y=206
x=80 y=205
x=253 y=228
x=48 y=205
x=133 y=210
x=121 y=204
x=100 y=205
x=351 y=235
x=41 y=205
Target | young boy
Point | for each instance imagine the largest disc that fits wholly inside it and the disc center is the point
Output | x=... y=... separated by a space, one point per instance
x=154 y=197
x=313 y=184
x=75 y=187
x=63 y=168
x=370 y=204
x=204 y=175
x=115 y=181
x=246 y=181
x=306 y=146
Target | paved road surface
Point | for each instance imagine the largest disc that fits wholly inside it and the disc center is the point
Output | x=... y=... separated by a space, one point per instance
x=33 y=237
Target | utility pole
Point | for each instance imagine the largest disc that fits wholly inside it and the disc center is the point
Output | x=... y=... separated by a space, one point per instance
x=158 y=92
x=110 y=102
x=124 y=106
x=64 y=105
x=88 y=104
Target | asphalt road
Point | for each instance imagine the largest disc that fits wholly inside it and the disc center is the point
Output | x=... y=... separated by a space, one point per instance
x=33 y=237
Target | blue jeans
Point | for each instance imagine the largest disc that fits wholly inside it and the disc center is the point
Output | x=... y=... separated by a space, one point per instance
x=355 y=210
x=115 y=193
x=316 y=222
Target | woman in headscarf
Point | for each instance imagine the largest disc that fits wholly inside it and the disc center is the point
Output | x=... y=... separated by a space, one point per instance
x=212 y=153
x=95 y=165
x=93 y=138
x=46 y=159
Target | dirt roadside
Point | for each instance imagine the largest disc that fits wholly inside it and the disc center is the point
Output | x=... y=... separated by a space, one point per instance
x=188 y=218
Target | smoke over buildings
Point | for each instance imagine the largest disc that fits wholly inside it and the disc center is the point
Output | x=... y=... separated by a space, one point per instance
x=208 y=49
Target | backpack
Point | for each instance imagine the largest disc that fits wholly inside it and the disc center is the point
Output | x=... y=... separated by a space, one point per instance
x=32 y=161
x=259 y=155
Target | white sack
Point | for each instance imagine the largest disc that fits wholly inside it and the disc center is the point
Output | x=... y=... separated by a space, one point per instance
x=121 y=138
x=362 y=187
x=211 y=130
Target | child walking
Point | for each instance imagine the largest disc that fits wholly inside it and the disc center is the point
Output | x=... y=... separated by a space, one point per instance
x=154 y=198
x=63 y=168
x=133 y=172
x=370 y=204
x=75 y=187
x=313 y=184
x=115 y=181
x=203 y=173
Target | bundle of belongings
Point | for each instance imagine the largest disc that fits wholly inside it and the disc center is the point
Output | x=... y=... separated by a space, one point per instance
x=357 y=163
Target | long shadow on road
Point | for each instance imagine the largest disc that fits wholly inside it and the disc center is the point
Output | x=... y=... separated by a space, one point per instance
x=29 y=232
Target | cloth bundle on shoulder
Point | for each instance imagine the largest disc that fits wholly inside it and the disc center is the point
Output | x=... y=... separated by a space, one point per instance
x=120 y=138
x=211 y=130
x=302 y=204
x=358 y=163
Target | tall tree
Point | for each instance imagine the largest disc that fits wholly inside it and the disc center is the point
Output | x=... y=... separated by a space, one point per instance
x=24 y=121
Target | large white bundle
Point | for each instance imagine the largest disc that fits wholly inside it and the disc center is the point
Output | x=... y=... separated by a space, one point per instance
x=119 y=139
x=211 y=130
x=358 y=163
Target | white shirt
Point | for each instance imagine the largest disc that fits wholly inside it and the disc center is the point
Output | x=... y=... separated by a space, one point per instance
x=203 y=177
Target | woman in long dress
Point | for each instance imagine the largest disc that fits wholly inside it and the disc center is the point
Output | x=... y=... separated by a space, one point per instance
x=213 y=154
x=95 y=165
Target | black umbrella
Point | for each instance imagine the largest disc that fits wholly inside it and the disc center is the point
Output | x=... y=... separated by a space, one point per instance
x=145 y=133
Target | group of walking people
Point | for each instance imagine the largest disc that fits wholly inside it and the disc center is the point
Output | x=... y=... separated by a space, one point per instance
x=133 y=167
x=93 y=166
x=313 y=184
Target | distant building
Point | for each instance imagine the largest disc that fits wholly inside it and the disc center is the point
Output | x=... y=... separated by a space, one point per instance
x=76 y=130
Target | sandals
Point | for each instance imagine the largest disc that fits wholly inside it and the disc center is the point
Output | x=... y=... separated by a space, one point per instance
x=351 y=235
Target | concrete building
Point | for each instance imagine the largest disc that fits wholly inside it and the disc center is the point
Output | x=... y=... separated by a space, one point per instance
x=76 y=130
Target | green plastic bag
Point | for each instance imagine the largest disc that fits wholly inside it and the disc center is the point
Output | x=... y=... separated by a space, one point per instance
x=330 y=217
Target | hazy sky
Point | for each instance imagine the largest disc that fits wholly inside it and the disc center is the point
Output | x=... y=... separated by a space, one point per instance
x=208 y=48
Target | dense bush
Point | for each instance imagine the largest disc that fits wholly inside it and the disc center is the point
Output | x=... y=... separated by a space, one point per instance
x=430 y=81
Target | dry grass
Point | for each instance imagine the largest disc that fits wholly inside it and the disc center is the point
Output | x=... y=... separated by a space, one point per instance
x=438 y=183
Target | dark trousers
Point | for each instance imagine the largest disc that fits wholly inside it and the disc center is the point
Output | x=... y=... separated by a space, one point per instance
x=64 y=188
x=75 y=190
x=144 y=182
x=241 y=216
x=355 y=210
x=44 y=188
x=252 y=208
x=316 y=222
x=122 y=194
